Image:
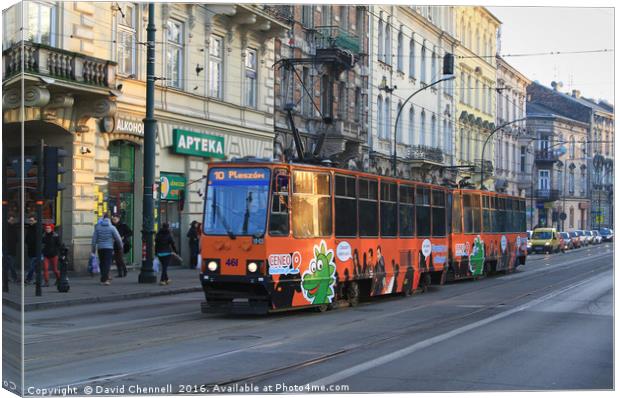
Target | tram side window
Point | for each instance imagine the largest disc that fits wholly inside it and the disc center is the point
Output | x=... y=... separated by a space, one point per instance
x=439 y=213
x=406 y=211
x=476 y=213
x=423 y=211
x=509 y=216
x=522 y=217
x=501 y=215
x=278 y=220
x=367 y=207
x=312 y=210
x=468 y=221
x=457 y=222
x=388 y=209
x=515 y=215
x=486 y=214
x=345 y=206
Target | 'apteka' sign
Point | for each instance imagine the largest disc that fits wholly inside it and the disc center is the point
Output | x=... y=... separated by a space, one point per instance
x=197 y=144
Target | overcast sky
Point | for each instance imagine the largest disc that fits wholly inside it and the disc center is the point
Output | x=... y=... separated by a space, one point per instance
x=546 y=29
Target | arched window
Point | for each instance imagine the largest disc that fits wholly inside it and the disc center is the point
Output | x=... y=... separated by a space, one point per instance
x=381 y=52
x=423 y=128
x=469 y=90
x=388 y=45
x=400 y=62
x=469 y=145
x=463 y=87
x=462 y=144
x=572 y=147
x=477 y=95
x=423 y=65
x=433 y=67
x=380 y=121
x=387 y=109
x=412 y=58
x=477 y=42
x=434 y=135
x=470 y=41
x=399 y=128
x=411 y=126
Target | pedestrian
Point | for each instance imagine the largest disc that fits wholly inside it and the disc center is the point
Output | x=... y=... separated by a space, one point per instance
x=125 y=232
x=194 y=239
x=9 y=249
x=104 y=238
x=164 y=247
x=31 y=243
x=51 y=250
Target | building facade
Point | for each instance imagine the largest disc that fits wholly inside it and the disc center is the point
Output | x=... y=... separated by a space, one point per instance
x=322 y=70
x=594 y=148
x=513 y=158
x=85 y=84
x=476 y=74
x=407 y=47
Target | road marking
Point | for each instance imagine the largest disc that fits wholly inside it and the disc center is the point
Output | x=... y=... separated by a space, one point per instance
x=355 y=370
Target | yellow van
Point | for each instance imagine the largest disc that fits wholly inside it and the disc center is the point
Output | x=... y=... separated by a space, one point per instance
x=545 y=240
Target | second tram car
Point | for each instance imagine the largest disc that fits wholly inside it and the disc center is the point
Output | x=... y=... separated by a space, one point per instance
x=278 y=236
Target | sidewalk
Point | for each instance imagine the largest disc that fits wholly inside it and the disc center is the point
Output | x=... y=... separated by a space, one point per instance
x=85 y=290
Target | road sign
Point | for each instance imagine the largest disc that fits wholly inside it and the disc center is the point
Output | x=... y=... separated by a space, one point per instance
x=563 y=216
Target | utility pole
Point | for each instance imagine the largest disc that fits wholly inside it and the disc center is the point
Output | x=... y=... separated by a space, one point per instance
x=147 y=275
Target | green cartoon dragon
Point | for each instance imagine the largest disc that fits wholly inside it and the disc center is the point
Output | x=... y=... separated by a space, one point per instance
x=318 y=281
x=476 y=258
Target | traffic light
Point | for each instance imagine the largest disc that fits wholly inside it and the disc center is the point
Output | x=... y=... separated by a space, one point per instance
x=52 y=170
x=448 y=64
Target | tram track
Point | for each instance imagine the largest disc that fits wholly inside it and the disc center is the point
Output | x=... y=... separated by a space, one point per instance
x=193 y=324
x=281 y=371
x=414 y=328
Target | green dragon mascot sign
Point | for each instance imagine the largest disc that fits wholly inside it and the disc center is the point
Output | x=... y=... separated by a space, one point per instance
x=318 y=281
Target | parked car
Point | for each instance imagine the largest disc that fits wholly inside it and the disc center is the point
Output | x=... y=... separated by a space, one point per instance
x=545 y=240
x=589 y=237
x=575 y=239
x=607 y=234
x=597 y=238
x=566 y=242
x=582 y=237
x=529 y=242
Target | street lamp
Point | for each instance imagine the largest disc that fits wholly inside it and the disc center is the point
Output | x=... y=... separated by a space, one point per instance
x=485 y=146
x=448 y=69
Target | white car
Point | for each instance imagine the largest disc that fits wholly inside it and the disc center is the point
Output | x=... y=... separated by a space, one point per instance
x=597 y=237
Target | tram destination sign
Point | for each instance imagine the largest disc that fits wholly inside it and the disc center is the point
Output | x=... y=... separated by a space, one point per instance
x=197 y=144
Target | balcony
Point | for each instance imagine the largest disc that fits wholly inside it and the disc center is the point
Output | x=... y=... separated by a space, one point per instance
x=548 y=195
x=546 y=156
x=425 y=154
x=334 y=37
x=59 y=64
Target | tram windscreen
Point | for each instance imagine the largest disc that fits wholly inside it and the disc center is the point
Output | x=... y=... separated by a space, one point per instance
x=236 y=202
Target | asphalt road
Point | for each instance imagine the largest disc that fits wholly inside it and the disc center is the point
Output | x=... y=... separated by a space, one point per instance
x=548 y=326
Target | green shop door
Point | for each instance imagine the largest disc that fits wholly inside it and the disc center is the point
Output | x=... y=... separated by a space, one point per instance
x=121 y=185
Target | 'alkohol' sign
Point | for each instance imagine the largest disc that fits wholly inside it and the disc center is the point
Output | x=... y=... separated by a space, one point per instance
x=197 y=144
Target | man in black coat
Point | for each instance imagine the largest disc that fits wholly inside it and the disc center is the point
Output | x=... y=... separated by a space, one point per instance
x=11 y=243
x=193 y=236
x=31 y=243
x=125 y=232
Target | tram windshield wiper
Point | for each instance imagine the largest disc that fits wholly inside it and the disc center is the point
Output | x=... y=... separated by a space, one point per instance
x=229 y=231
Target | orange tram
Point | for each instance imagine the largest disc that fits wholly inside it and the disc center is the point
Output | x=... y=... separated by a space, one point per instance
x=278 y=236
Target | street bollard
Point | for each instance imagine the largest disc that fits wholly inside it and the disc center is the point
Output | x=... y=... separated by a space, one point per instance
x=63 y=283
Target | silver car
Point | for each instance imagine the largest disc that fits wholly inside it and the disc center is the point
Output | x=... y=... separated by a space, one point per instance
x=589 y=237
x=582 y=237
x=597 y=237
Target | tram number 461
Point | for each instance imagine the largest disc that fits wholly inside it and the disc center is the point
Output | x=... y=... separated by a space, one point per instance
x=232 y=262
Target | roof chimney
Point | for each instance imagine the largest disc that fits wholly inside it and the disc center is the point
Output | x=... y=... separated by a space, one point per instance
x=576 y=93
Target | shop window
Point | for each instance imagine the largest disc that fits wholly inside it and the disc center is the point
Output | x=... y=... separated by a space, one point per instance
x=388 y=209
x=423 y=212
x=345 y=206
x=312 y=213
x=368 y=207
x=279 y=220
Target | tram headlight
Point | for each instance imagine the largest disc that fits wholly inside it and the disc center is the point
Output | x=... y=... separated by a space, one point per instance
x=212 y=266
x=252 y=267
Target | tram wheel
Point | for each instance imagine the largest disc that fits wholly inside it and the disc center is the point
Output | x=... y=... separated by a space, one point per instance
x=323 y=307
x=353 y=294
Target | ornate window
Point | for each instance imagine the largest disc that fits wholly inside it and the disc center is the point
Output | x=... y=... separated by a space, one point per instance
x=174 y=53
x=216 y=67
